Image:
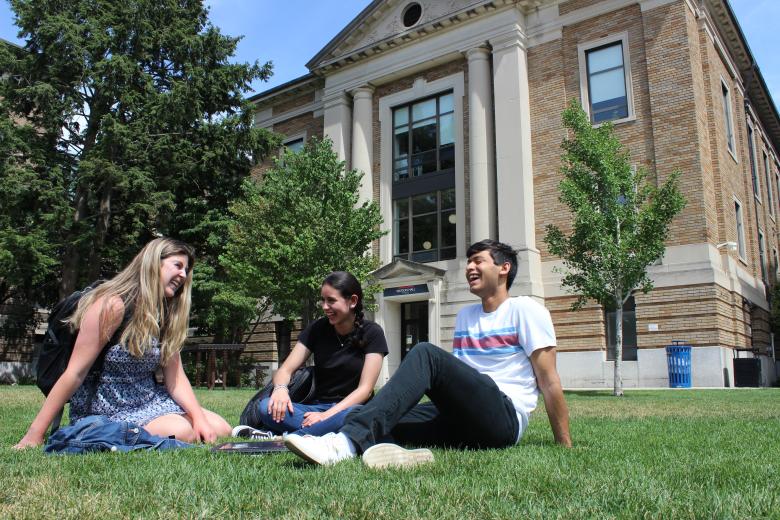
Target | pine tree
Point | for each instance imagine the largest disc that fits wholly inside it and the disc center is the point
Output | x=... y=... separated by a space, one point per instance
x=122 y=121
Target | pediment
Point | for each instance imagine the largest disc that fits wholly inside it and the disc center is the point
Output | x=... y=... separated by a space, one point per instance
x=400 y=268
x=380 y=27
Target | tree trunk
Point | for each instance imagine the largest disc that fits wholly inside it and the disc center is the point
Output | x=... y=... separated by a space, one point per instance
x=101 y=231
x=618 y=390
x=283 y=333
x=71 y=262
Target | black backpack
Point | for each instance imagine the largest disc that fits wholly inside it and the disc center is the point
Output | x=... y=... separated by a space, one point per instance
x=58 y=346
x=301 y=389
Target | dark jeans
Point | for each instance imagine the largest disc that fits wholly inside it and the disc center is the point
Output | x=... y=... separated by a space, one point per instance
x=467 y=410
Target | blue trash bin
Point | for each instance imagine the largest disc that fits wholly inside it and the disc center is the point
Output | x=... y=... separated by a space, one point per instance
x=678 y=359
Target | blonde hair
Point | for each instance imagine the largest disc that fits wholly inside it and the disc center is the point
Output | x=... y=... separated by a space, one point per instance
x=152 y=315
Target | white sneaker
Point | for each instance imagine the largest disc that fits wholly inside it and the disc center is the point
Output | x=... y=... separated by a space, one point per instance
x=326 y=450
x=247 y=432
x=391 y=455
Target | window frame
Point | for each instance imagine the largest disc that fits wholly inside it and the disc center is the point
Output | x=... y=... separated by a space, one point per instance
x=436 y=182
x=728 y=116
x=420 y=89
x=426 y=182
x=582 y=53
x=753 y=159
x=770 y=200
x=762 y=255
x=740 y=226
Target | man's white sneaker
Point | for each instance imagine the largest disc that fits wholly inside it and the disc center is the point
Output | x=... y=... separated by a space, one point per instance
x=326 y=450
x=247 y=432
x=387 y=455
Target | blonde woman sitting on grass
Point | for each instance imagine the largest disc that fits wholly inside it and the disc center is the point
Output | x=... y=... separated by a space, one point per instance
x=146 y=306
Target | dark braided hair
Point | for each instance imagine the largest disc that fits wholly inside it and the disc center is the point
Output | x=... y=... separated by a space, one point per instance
x=347 y=285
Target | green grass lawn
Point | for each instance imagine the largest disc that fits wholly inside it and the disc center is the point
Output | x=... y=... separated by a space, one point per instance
x=650 y=454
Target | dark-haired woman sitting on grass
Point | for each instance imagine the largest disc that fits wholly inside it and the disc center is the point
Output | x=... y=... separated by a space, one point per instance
x=348 y=352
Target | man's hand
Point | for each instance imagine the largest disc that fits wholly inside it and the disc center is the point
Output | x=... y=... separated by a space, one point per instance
x=549 y=382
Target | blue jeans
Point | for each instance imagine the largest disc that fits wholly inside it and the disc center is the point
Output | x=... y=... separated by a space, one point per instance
x=292 y=422
x=98 y=433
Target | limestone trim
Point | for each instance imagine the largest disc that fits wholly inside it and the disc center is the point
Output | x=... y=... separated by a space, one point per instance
x=426 y=53
x=514 y=164
x=582 y=50
x=363 y=140
x=337 y=124
x=337 y=53
x=481 y=167
x=420 y=89
x=691 y=264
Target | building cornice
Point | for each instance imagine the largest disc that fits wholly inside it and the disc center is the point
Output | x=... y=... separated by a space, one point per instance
x=336 y=53
x=724 y=20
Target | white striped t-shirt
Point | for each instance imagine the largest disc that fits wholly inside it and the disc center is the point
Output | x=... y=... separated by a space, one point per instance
x=499 y=343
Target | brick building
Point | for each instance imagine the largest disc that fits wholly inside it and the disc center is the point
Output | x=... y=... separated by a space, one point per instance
x=452 y=109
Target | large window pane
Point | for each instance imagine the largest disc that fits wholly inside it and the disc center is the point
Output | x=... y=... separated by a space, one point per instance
x=401 y=208
x=448 y=199
x=446 y=103
x=424 y=136
x=424 y=233
x=401 y=170
x=423 y=163
x=424 y=109
x=448 y=220
x=607 y=85
x=401 y=142
x=402 y=237
x=447 y=157
x=424 y=204
x=401 y=116
x=605 y=58
x=446 y=130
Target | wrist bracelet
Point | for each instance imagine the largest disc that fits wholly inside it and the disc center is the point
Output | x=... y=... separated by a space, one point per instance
x=277 y=387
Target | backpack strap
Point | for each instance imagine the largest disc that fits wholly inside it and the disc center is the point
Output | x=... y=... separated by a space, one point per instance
x=96 y=372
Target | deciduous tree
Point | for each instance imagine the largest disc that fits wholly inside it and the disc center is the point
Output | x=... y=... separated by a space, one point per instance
x=620 y=220
x=298 y=224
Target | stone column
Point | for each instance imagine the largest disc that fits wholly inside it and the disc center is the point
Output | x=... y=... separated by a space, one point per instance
x=482 y=180
x=362 y=140
x=337 y=122
x=514 y=167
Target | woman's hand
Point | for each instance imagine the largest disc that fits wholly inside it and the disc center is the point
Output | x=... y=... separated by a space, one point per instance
x=310 y=418
x=279 y=404
x=204 y=431
x=30 y=440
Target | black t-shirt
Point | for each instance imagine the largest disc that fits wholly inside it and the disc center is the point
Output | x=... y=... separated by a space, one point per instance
x=337 y=369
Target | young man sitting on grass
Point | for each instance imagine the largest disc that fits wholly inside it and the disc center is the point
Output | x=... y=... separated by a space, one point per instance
x=481 y=395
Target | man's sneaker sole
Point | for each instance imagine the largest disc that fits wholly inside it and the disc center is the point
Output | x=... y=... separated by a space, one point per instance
x=297 y=445
x=393 y=456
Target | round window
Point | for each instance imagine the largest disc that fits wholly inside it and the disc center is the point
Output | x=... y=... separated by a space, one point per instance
x=412 y=14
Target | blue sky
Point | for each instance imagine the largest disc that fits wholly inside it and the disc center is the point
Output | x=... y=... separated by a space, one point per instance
x=290 y=32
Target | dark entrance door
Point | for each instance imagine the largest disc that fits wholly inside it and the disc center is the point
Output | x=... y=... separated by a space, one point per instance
x=414 y=325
